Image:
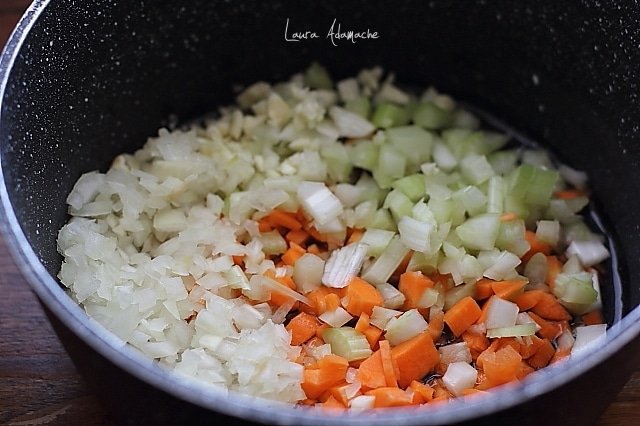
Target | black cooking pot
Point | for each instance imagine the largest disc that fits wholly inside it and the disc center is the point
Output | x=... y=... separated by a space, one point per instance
x=84 y=81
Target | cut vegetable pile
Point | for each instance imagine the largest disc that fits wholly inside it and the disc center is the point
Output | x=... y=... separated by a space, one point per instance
x=346 y=245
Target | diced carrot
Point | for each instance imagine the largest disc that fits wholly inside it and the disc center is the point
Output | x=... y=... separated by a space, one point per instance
x=415 y=358
x=528 y=299
x=509 y=289
x=475 y=342
x=462 y=315
x=315 y=234
x=373 y=334
x=543 y=355
x=502 y=366
x=302 y=328
x=425 y=391
x=492 y=348
x=318 y=303
x=314 y=342
x=277 y=298
x=508 y=217
x=548 y=307
x=293 y=253
x=371 y=372
x=560 y=355
x=484 y=289
x=554 y=267
x=332 y=301
x=238 y=260
x=362 y=323
x=362 y=297
x=308 y=401
x=355 y=234
x=299 y=237
x=390 y=397
x=326 y=373
x=287 y=220
x=320 y=329
x=568 y=194
x=524 y=370
x=413 y=285
x=264 y=225
x=387 y=364
x=592 y=318
x=340 y=394
x=473 y=392
x=333 y=404
x=548 y=329
x=436 y=326
x=537 y=246
x=314 y=249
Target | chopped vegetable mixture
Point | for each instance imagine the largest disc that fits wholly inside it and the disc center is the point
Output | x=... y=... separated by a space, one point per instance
x=347 y=245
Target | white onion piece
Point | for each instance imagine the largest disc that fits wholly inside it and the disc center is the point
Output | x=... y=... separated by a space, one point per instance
x=343 y=265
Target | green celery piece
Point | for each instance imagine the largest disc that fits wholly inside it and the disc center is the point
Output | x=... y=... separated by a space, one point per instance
x=388 y=115
x=412 y=186
x=361 y=106
x=364 y=154
x=413 y=142
x=430 y=116
x=317 y=77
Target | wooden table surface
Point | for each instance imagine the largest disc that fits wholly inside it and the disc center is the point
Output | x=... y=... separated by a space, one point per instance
x=40 y=386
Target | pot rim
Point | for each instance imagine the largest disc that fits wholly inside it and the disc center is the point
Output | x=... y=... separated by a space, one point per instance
x=53 y=296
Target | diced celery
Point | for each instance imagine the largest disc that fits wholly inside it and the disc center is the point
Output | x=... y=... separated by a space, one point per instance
x=537 y=158
x=548 y=231
x=383 y=220
x=430 y=116
x=463 y=119
x=443 y=157
x=360 y=106
x=559 y=210
x=472 y=199
x=579 y=231
x=318 y=201
x=406 y=326
x=376 y=240
x=391 y=166
x=533 y=185
x=515 y=205
x=427 y=263
x=364 y=154
x=388 y=115
x=336 y=158
x=575 y=291
x=370 y=189
x=412 y=186
x=442 y=209
x=511 y=237
x=317 y=77
x=416 y=234
x=479 y=232
x=398 y=203
x=382 y=268
x=503 y=162
x=495 y=194
x=347 y=343
x=476 y=169
x=413 y=142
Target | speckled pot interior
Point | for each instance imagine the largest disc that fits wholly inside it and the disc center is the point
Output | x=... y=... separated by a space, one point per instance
x=84 y=81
